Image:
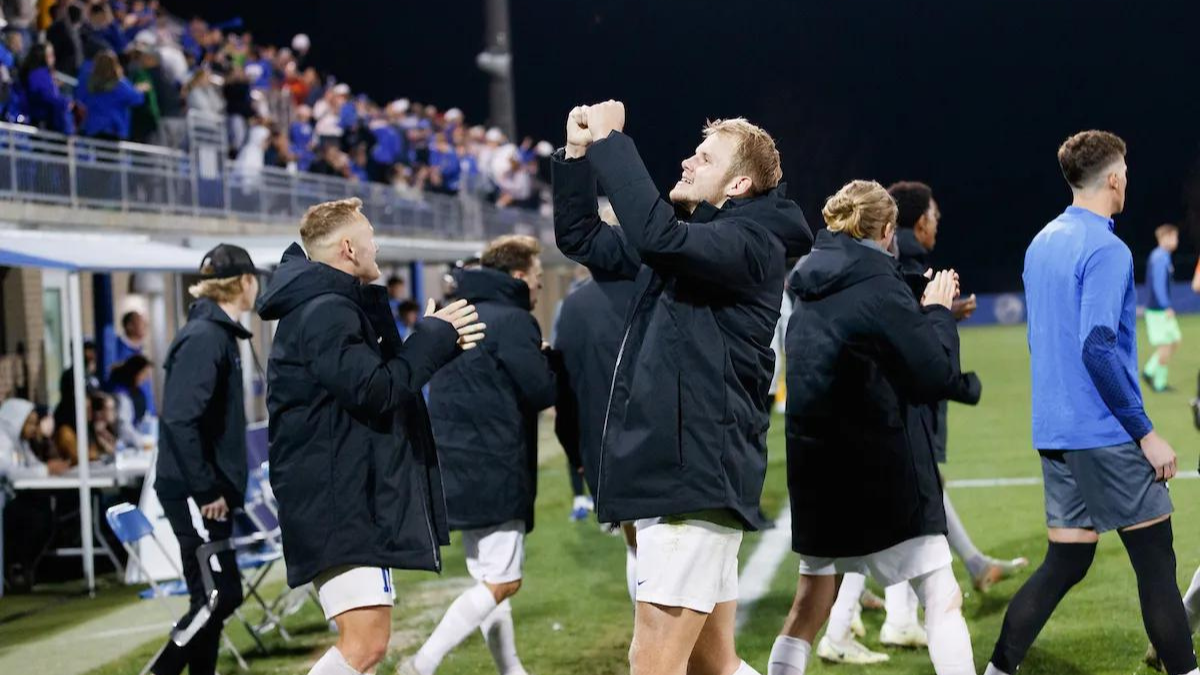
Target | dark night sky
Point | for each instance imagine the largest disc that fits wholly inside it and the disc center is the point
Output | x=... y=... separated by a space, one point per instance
x=971 y=97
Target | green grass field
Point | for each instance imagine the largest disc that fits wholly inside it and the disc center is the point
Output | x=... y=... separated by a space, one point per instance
x=574 y=618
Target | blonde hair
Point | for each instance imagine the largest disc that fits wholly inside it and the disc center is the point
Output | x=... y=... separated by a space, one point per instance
x=324 y=219
x=756 y=155
x=861 y=209
x=218 y=290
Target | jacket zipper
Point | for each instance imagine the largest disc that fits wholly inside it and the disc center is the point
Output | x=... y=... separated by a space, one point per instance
x=612 y=390
x=437 y=560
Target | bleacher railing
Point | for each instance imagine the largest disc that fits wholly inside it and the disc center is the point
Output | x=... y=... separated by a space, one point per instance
x=198 y=180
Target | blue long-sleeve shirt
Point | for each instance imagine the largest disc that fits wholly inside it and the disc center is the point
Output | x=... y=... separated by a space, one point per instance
x=109 y=112
x=1159 y=272
x=46 y=105
x=1082 y=335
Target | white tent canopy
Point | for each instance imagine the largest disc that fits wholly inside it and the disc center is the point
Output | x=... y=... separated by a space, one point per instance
x=84 y=252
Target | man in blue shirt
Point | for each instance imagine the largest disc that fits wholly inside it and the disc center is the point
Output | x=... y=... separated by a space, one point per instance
x=1161 y=327
x=1104 y=468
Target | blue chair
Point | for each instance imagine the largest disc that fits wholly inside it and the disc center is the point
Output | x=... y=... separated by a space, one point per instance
x=130 y=526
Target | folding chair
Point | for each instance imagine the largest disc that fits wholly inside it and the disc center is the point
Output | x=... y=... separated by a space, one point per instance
x=130 y=526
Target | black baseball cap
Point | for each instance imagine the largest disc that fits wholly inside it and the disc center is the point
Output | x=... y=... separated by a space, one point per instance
x=227 y=260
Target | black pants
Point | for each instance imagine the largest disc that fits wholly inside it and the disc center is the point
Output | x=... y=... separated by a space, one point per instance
x=200 y=653
x=28 y=528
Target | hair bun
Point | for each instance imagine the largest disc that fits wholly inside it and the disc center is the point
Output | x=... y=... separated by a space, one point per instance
x=842 y=213
x=861 y=209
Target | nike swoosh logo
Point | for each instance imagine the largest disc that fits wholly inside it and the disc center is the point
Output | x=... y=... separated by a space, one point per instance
x=642 y=581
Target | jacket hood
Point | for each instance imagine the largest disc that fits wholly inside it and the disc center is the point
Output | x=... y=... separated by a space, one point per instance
x=773 y=211
x=838 y=262
x=298 y=280
x=208 y=309
x=13 y=414
x=480 y=285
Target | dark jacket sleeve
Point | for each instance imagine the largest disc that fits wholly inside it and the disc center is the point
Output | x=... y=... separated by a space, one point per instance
x=358 y=377
x=196 y=367
x=730 y=252
x=578 y=230
x=519 y=350
x=566 y=411
x=968 y=389
x=925 y=342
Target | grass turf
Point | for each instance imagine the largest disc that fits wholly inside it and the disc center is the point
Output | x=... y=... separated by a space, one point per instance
x=573 y=615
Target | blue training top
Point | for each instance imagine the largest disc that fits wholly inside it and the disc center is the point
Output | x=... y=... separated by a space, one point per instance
x=1159 y=272
x=1082 y=335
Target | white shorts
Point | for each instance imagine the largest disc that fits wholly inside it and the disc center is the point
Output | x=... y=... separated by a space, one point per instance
x=691 y=564
x=907 y=560
x=495 y=554
x=348 y=587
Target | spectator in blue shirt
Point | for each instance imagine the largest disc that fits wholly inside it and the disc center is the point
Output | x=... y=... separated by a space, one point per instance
x=110 y=99
x=445 y=168
x=1162 y=328
x=1103 y=466
x=44 y=104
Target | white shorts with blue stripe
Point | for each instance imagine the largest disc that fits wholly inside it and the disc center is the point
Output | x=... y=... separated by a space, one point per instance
x=344 y=588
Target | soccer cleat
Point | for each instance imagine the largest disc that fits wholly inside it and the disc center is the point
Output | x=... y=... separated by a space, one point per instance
x=911 y=636
x=582 y=506
x=857 y=629
x=870 y=601
x=848 y=651
x=1151 y=659
x=997 y=571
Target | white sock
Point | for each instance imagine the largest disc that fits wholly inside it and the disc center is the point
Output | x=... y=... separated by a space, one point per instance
x=501 y=640
x=900 y=602
x=332 y=663
x=631 y=572
x=465 y=614
x=1191 y=602
x=789 y=656
x=745 y=669
x=842 y=613
x=993 y=670
x=949 y=640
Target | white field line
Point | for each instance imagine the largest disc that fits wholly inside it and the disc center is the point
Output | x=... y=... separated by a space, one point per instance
x=760 y=568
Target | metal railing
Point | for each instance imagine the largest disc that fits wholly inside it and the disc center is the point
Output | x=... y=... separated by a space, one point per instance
x=49 y=168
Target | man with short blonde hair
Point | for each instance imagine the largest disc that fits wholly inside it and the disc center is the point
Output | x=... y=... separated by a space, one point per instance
x=683 y=447
x=353 y=463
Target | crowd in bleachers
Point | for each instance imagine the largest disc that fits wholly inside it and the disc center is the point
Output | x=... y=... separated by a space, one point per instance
x=129 y=71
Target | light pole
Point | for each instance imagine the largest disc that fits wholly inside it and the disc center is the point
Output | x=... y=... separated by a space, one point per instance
x=496 y=61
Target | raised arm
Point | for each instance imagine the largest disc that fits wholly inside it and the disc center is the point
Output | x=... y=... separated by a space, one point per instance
x=578 y=230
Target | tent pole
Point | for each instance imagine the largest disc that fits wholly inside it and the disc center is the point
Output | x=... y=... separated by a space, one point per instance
x=79 y=369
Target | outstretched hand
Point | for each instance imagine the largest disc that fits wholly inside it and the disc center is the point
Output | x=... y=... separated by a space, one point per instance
x=463 y=317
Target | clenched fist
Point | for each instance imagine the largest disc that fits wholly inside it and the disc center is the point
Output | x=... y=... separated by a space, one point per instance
x=578 y=136
x=604 y=118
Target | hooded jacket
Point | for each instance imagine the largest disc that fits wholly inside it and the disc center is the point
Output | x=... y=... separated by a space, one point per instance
x=590 y=327
x=484 y=407
x=203 y=426
x=861 y=353
x=353 y=462
x=688 y=408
